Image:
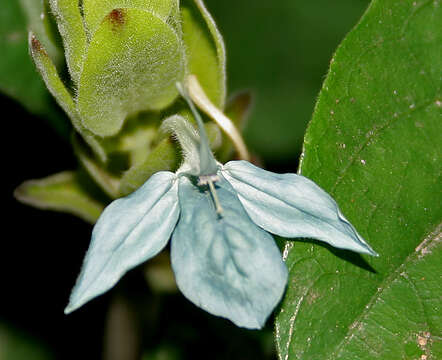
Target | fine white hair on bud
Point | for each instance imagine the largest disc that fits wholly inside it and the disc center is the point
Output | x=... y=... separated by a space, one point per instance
x=207 y=163
x=189 y=141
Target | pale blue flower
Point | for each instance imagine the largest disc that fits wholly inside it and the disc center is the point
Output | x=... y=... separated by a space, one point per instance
x=218 y=218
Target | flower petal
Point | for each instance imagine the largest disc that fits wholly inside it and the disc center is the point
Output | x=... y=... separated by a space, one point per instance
x=291 y=205
x=130 y=231
x=226 y=265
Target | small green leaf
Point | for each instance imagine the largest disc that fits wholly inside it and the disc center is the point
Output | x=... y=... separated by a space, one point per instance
x=205 y=50
x=70 y=25
x=50 y=75
x=94 y=11
x=38 y=20
x=133 y=62
x=374 y=143
x=62 y=192
x=63 y=97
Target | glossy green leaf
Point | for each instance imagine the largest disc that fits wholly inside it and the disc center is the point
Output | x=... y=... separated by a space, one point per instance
x=96 y=10
x=70 y=25
x=374 y=143
x=133 y=62
x=204 y=50
x=413 y=292
x=63 y=192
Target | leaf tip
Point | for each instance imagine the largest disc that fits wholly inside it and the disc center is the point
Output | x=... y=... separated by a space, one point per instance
x=35 y=45
x=374 y=253
x=22 y=194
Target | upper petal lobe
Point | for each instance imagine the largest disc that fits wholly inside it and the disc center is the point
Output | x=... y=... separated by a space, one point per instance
x=291 y=205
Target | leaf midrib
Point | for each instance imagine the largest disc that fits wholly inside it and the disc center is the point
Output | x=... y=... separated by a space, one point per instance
x=428 y=241
x=374 y=132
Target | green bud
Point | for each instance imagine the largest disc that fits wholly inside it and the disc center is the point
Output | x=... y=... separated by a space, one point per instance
x=124 y=58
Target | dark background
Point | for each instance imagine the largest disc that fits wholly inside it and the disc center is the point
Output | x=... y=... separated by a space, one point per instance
x=280 y=51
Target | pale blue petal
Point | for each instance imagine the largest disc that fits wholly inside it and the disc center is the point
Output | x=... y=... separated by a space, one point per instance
x=226 y=265
x=130 y=231
x=291 y=205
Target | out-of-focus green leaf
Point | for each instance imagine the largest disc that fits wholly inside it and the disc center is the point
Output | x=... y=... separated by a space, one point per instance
x=64 y=192
x=282 y=52
x=163 y=352
x=135 y=139
x=375 y=144
x=238 y=110
x=19 y=346
x=107 y=181
x=95 y=10
x=133 y=62
x=165 y=156
x=18 y=78
x=204 y=50
x=159 y=275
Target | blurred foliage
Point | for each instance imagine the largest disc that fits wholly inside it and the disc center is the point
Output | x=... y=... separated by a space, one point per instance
x=18 y=76
x=16 y=345
x=281 y=51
